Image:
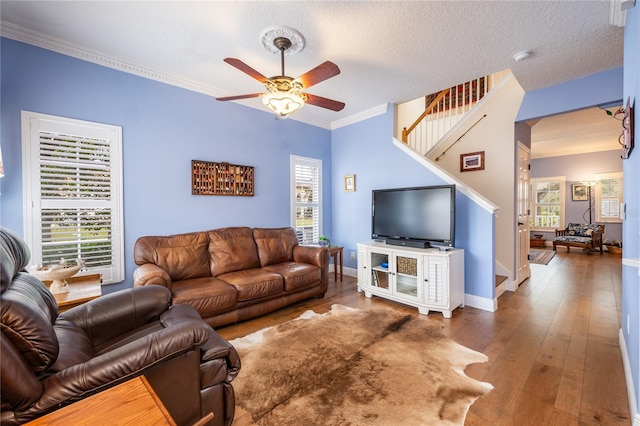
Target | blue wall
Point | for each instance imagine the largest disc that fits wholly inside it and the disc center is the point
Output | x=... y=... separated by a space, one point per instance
x=366 y=150
x=589 y=91
x=631 y=227
x=577 y=168
x=164 y=128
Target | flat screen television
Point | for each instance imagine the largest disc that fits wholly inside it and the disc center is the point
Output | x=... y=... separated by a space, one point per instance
x=415 y=217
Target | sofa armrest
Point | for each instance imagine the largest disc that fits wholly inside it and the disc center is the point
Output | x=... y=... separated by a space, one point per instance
x=150 y=273
x=597 y=238
x=115 y=314
x=121 y=364
x=318 y=256
x=312 y=255
x=561 y=232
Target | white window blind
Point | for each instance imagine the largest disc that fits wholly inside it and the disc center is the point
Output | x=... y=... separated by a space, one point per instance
x=306 y=203
x=547 y=203
x=73 y=192
x=608 y=195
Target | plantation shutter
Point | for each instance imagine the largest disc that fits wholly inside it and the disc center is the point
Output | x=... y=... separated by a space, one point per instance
x=75 y=194
x=608 y=197
x=306 y=198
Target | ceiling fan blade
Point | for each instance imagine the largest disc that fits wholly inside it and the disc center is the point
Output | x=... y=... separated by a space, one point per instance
x=234 y=98
x=246 y=69
x=318 y=74
x=321 y=102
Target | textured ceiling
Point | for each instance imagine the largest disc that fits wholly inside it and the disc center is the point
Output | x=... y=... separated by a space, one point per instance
x=388 y=52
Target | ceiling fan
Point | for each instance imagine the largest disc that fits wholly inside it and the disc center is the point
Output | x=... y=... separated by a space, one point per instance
x=285 y=95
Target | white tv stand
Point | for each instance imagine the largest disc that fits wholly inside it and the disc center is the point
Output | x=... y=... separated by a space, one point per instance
x=429 y=279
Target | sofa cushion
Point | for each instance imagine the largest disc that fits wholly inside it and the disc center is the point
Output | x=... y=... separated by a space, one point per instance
x=183 y=256
x=209 y=296
x=275 y=245
x=573 y=239
x=232 y=249
x=296 y=275
x=582 y=230
x=254 y=283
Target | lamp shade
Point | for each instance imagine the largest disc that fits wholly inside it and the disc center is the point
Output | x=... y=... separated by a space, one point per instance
x=283 y=103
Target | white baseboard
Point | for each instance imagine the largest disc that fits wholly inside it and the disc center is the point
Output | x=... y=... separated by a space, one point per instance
x=483 y=303
x=633 y=406
x=350 y=272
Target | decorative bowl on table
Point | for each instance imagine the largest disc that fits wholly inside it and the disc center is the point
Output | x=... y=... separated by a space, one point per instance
x=58 y=274
x=538 y=236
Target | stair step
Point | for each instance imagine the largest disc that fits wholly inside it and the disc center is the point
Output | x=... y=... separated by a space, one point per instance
x=500 y=279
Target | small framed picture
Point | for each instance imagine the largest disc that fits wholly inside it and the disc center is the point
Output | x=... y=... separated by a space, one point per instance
x=472 y=161
x=579 y=192
x=350 y=183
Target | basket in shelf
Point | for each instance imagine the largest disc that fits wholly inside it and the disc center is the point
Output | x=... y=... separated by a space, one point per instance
x=407 y=265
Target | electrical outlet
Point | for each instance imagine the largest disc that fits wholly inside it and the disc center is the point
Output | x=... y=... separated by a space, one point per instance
x=353 y=255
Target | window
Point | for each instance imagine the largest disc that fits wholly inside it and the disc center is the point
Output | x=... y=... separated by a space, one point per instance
x=547 y=203
x=306 y=200
x=72 y=174
x=608 y=195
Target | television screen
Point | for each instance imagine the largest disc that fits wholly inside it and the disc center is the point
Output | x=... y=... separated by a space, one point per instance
x=421 y=214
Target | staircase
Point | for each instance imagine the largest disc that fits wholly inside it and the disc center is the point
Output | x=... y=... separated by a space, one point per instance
x=444 y=110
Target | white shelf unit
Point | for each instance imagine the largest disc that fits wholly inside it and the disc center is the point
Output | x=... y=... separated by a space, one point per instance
x=428 y=279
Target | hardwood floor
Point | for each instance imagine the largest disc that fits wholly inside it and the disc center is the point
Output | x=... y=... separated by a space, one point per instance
x=554 y=357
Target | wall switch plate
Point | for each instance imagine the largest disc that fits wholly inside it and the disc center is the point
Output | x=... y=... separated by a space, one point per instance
x=353 y=255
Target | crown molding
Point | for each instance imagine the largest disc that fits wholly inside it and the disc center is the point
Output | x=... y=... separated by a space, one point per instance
x=44 y=41
x=361 y=116
x=63 y=47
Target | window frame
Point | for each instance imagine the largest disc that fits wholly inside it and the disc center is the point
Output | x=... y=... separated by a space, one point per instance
x=599 y=177
x=296 y=161
x=561 y=180
x=32 y=125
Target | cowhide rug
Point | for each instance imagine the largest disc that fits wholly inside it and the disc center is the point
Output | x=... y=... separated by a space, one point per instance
x=356 y=367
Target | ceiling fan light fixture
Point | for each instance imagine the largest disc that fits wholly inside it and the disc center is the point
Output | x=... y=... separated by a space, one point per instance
x=283 y=103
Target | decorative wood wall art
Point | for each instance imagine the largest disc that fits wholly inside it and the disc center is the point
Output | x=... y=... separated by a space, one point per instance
x=626 y=138
x=472 y=161
x=210 y=178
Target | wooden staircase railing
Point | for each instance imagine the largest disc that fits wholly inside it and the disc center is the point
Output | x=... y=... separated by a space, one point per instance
x=428 y=110
x=445 y=110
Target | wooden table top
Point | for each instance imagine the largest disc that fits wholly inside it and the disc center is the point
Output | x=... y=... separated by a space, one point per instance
x=130 y=403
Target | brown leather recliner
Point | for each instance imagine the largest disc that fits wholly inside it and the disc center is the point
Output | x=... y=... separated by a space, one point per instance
x=50 y=360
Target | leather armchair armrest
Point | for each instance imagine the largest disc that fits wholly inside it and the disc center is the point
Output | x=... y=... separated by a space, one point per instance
x=149 y=273
x=218 y=348
x=120 y=364
x=115 y=314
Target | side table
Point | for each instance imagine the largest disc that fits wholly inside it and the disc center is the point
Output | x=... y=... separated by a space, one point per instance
x=536 y=242
x=336 y=253
x=81 y=290
x=132 y=403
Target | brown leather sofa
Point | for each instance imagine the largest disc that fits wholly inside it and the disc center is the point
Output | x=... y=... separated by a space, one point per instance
x=50 y=360
x=233 y=274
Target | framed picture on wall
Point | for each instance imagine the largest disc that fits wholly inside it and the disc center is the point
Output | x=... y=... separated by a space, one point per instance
x=579 y=192
x=472 y=161
x=350 y=183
